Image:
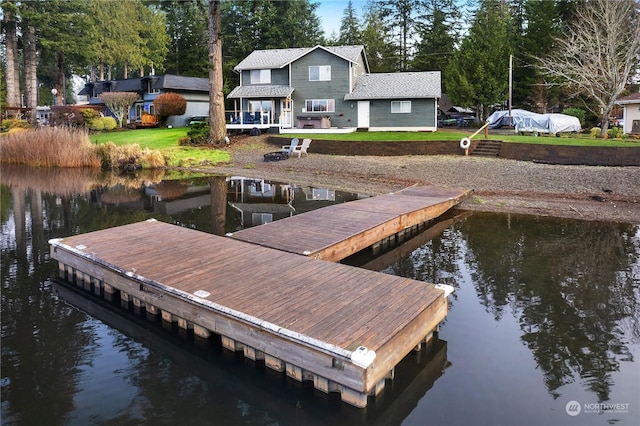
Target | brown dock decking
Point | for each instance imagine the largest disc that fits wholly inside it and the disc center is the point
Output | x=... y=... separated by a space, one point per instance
x=336 y=232
x=343 y=327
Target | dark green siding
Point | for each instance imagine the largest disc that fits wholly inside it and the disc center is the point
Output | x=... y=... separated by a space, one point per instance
x=422 y=114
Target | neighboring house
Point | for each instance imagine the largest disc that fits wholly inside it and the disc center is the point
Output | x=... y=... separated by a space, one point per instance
x=631 y=113
x=321 y=88
x=194 y=90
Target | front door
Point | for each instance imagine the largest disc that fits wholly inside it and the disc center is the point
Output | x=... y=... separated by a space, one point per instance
x=286 y=113
x=363 y=114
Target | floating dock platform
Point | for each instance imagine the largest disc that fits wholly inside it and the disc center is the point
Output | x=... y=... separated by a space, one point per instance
x=343 y=328
x=335 y=232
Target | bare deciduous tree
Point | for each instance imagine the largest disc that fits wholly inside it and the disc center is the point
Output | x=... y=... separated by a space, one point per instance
x=119 y=103
x=600 y=53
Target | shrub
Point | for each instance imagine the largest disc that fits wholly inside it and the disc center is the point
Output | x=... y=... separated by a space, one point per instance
x=615 y=133
x=596 y=132
x=89 y=114
x=67 y=115
x=128 y=157
x=49 y=146
x=580 y=114
x=109 y=123
x=198 y=134
x=96 y=124
x=11 y=123
x=168 y=104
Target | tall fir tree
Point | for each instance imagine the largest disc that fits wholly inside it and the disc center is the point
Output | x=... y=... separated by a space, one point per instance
x=349 y=27
x=478 y=74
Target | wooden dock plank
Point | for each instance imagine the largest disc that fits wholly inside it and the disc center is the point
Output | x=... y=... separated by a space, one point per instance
x=338 y=231
x=275 y=287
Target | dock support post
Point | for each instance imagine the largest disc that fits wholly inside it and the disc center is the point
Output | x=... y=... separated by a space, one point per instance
x=201 y=332
x=353 y=397
x=152 y=312
x=124 y=300
x=231 y=344
x=109 y=292
x=274 y=363
x=253 y=354
x=97 y=286
x=294 y=372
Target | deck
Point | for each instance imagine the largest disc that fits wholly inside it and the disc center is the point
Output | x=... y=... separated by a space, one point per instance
x=336 y=232
x=341 y=327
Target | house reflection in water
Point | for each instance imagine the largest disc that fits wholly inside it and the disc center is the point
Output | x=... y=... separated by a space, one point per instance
x=248 y=201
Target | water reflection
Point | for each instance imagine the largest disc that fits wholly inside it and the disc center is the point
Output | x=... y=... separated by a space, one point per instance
x=571 y=286
x=570 y=290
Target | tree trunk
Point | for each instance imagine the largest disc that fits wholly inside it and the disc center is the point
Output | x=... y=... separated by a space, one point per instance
x=13 y=76
x=59 y=96
x=30 y=72
x=217 y=124
x=218 y=185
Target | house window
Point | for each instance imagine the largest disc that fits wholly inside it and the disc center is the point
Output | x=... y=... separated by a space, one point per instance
x=320 y=105
x=320 y=73
x=150 y=89
x=400 y=107
x=260 y=76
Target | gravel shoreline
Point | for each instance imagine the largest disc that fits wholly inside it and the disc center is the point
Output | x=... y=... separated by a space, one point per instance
x=610 y=194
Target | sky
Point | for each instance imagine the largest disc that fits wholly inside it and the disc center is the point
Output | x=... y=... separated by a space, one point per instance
x=330 y=13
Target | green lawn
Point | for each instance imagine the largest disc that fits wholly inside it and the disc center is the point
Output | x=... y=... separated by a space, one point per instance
x=447 y=134
x=167 y=142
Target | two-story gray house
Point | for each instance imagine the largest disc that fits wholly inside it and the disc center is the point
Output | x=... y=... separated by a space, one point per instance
x=325 y=88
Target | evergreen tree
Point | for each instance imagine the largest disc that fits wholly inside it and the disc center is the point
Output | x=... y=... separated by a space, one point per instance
x=380 y=52
x=438 y=36
x=187 y=31
x=349 y=27
x=400 y=16
x=478 y=74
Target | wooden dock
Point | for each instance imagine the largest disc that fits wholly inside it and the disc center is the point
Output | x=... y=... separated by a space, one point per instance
x=341 y=327
x=335 y=232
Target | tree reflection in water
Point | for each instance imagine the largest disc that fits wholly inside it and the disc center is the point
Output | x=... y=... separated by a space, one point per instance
x=572 y=286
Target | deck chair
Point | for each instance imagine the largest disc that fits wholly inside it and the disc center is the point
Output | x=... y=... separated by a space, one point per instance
x=302 y=149
x=288 y=149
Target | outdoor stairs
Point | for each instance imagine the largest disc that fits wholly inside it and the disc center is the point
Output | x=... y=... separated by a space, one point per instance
x=487 y=148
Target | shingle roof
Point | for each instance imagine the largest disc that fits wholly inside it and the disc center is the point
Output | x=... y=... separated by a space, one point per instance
x=633 y=98
x=261 y=91
x=396 y=86
x=178 y=82
x=279 y=58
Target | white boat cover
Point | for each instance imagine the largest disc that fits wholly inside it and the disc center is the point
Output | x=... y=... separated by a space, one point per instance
x=527 y=121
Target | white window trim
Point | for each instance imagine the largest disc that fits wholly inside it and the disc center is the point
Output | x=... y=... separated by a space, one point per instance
x=324 y=72
x=331 y=105
x=261 y=76
x=402 y=107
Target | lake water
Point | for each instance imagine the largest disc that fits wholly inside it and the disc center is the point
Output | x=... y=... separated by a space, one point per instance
x=544 y=326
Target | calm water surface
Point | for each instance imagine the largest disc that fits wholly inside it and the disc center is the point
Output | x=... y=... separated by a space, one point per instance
x=545 y=321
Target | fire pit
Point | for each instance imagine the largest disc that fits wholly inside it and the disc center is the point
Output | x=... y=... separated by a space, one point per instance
x=276 y=156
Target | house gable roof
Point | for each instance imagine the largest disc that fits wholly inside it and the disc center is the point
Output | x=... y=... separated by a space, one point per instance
x=280 y=58
x=405 y=85
x=178 y=82
x=165 y=82
x=633 y=98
